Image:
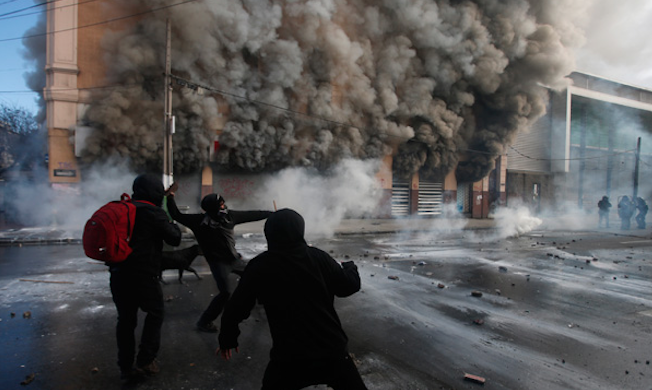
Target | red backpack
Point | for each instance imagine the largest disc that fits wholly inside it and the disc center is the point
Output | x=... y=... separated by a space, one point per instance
x=107 y=233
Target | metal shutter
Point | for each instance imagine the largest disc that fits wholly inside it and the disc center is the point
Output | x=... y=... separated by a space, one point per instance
x=400 y=199
x=430 y=198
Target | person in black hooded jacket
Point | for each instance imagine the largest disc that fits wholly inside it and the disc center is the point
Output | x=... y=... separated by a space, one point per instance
x=134 y=282
x=215 y=235
x=296 y=284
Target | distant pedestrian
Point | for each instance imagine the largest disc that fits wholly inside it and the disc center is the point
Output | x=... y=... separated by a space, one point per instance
x=296 y=284
x=135 y=281
x=642 y=208
x=604 y=207
x=215 y=235
x=626 y=210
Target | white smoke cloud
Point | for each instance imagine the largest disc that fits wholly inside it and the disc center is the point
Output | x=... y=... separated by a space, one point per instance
x=515 y=221
x=349 y=189
x=64 y=207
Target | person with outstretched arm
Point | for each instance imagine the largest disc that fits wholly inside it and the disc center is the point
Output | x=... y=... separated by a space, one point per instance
x=296 y=284
x=214 y=232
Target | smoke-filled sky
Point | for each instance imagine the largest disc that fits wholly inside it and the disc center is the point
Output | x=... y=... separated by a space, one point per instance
x=450 y=75
x=616 y=45
x=435 y=79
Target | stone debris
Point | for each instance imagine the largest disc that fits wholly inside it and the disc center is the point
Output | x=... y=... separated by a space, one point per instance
x=474 y=378
x=95 y=370
x=392 y=277
x=441 y=285
x=28 y=379
x=27 y=314
x=476 y=294
x=478 y=322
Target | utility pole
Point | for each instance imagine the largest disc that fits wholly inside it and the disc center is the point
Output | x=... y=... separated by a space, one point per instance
x=580 y=195
x=610 y=160
x=638 y=158
x=168 y=172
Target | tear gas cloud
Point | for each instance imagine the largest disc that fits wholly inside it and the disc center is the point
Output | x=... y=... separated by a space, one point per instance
x=349 y=189
x=41 y=204
x=515 y=221
x=367 y=76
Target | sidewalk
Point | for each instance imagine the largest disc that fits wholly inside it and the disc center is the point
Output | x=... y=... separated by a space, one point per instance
x=58 y=235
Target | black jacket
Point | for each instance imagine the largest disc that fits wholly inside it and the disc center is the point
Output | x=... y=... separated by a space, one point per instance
x=151 y=228
x=215 y=237
x=296 y=284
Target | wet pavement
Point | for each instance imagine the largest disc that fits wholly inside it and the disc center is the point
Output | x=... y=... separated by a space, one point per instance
x=552 y=309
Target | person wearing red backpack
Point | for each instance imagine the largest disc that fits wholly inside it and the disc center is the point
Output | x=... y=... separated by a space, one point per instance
x=134 y=281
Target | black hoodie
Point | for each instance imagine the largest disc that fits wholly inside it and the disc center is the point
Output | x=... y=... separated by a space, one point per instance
x=214 y=230
x=296 y=284
x=151 y=228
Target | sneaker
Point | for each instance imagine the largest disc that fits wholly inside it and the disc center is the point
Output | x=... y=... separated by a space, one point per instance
x=149 y=369
x=207 y=327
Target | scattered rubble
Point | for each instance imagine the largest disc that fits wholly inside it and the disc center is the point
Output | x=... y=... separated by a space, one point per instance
x=28 y=379
x=474 y=378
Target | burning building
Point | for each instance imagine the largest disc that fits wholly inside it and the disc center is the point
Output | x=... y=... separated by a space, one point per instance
x=435 y=90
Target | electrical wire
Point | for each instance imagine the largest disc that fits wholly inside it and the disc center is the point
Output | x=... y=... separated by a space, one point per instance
x=571 y=159
x=28 y=8
x=7 y=2
x=195 y=86
x=40 y=12
x=100 y=23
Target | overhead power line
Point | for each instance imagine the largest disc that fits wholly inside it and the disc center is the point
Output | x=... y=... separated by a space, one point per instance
x=7 y=2
x=27 y=8
x=152 y=10
x=10 y=15
x=571 y=159
x=196 y=86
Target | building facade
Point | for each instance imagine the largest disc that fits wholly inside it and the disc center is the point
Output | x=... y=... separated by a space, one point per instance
x=583 y=147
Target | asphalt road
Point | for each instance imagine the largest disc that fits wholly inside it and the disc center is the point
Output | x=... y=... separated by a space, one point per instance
x=548 y=310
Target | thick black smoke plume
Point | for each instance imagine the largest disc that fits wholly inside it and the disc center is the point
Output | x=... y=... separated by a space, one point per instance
x=310 y=83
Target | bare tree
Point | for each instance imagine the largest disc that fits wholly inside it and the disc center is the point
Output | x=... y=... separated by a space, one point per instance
x=21 y=142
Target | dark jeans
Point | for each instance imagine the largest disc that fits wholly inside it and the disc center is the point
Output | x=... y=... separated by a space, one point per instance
x=131 y=293
x=340 y=374
x=221 y=272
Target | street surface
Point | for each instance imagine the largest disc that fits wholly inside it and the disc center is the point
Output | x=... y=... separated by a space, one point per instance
x=548 y=310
